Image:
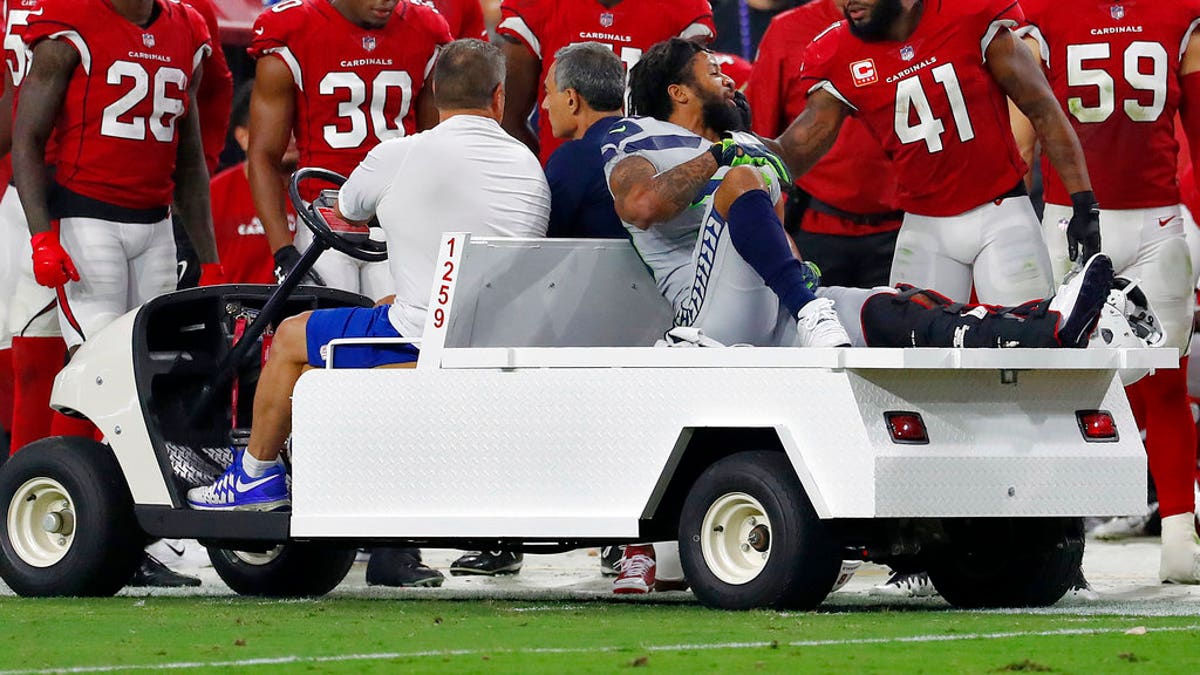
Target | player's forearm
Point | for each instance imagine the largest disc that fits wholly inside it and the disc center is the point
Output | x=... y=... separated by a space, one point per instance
x=1060 y=144
x=191 y=190
x=667 y=194
x=266 y=181
x=29 y=174
x=806 y=140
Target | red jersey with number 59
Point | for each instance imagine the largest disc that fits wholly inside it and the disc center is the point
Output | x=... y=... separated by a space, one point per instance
x=117 y=129
x=931 y=102
x=629 y=27
x=1114 y=67
x=355 y=87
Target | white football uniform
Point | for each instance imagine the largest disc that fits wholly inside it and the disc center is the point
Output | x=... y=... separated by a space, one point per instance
x=691 y=256
x=30 y=306
x=1145 y=244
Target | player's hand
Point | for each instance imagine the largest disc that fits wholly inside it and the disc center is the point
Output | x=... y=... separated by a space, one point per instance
x=285 y=259
x=733 y=151
x=52 y=266
x=212 y=274
x=1083 y=230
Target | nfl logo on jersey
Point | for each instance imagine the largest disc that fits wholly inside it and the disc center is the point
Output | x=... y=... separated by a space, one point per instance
x=369 y=43
x=606 y=19
x=148 y=40
x=907 y=53
x=1118 y=12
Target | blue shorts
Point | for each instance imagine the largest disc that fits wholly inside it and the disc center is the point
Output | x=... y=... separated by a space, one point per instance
x=355 y=322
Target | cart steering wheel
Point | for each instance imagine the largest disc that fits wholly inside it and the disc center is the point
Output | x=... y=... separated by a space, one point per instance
x=352 y=239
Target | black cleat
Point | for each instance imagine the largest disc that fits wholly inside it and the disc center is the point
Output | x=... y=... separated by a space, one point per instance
x=402 y=568
x=610 y=558
x=488 y=563
x=152 y=573
x=1080 y=299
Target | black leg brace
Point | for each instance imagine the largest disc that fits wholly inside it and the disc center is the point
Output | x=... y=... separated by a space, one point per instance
x=917 y=317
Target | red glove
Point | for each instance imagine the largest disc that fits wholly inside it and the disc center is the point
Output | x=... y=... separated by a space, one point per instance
x=212 y=274
x=52 y=266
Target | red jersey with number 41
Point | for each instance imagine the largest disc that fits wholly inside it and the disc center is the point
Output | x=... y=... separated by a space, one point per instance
x=117 y=129
x=1114 y=67
x=931 y=103
x=355 y=87
x=629 y=27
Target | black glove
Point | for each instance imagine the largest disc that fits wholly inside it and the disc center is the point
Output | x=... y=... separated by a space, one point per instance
x=743 y=107
x=1083 y=231
x=285 y=260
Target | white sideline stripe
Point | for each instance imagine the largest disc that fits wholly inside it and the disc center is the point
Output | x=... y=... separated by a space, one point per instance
x=383 y=656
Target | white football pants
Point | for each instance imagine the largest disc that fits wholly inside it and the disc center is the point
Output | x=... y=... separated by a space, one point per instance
x=339 y=270
x=26 y=307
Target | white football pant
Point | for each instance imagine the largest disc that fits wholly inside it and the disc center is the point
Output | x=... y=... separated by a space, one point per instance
x=339 y=270
x=994 y=248
x=28 y=307
x=121 y=266
x=1145 y=244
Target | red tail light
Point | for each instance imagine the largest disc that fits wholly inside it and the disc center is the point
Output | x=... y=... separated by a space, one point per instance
x=906 y=427
x=1097 y=426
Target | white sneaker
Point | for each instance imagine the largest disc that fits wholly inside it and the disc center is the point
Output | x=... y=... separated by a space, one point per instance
x=849 y=567
x=1180 y=561
x=905 y=585
x=818 y=325
x=1123 y=527
x=181 y=555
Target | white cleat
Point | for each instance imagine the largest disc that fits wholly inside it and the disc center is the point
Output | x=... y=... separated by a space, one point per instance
x=818 y=325
x=1180 y=562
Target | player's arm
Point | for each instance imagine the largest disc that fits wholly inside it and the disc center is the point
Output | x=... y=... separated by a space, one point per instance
x=1189 y=107
x=6 y=115
x=42 y=94
x=1019 y=75
x=643 y=197
x=1023 y=131
x=191 y=180
x=812 y=133
x=272 y=105
x=520 y=90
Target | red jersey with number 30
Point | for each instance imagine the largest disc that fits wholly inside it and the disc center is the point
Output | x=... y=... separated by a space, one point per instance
x=1114 y=67
x=931 y=103
x=355 y=87
x=117 y=129
x=629 y=27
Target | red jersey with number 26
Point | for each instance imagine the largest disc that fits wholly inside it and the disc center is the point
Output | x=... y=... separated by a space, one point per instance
x=1114 y=67
x=629 y=27
x=117 y=130
x=355 y=87
x=931 y=103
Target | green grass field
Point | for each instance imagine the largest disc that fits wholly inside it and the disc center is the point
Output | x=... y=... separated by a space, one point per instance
x=377 y=635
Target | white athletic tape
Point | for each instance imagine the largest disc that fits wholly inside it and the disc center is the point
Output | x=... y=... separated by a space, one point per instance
x=281 y=660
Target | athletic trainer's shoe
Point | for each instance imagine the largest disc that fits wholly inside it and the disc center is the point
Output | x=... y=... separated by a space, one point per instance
x=610 y=560
x=401 y=568
x=905 y=585
x=818 y=325
x=154 y=574
x=236 y=491
x=488 y=563
x=637 y=571
x=1080 y=299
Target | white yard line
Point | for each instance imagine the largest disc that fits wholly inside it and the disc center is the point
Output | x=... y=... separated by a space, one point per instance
x=384 y=656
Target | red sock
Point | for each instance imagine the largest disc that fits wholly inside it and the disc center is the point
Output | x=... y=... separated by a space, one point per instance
x=1170 y=438
x=61 y=425
x=35 y=363
x=6 y=390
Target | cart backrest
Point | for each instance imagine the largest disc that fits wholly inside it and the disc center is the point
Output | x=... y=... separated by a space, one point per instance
x=555 y=293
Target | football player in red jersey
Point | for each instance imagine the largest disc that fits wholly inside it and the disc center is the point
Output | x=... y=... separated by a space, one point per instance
x=115 y=80
x=849 y=225
x=464 y=17
x=241 y=240
x=340 y=76
x=929 y=80
x=1121 y=70
x=343 y=76
x=534 y=30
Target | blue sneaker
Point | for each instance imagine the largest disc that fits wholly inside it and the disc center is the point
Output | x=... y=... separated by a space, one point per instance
x=235 y=491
